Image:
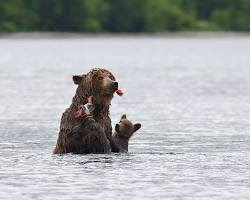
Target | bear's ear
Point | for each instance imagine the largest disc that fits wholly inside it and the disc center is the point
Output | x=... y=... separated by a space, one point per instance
x=124 y=116
x=137 y=126
x=77 y=79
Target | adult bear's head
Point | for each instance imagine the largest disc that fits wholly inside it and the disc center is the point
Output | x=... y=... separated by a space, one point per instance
x=99 y=83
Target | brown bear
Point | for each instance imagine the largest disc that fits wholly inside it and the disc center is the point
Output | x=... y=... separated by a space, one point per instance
x=124 y=130
x=91 y=134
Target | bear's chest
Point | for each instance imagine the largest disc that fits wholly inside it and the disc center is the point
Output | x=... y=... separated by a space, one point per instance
x=105 y=123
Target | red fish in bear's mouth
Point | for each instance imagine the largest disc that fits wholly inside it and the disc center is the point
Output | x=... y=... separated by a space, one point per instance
x=118 y=91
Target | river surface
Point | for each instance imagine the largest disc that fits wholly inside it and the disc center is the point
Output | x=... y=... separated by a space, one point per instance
x=191 y=95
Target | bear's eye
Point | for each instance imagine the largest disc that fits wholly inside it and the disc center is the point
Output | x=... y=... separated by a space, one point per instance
x=99 y=78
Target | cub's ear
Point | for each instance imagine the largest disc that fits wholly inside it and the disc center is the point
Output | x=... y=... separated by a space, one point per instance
x=124 y=116
x=77 y=79
x=137 y=126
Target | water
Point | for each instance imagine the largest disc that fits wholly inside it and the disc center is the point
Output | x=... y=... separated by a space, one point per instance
x=190 y=94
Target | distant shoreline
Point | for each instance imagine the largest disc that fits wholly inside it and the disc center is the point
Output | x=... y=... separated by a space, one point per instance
x=61 y=35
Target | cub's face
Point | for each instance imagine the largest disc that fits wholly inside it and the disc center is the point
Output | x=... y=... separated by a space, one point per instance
x=100 y=83
x=126 y=128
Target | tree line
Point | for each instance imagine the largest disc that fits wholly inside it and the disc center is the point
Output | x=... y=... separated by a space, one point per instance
x=124 y=15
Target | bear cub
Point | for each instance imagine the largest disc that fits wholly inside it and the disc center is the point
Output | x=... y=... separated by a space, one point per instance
x=124 y=131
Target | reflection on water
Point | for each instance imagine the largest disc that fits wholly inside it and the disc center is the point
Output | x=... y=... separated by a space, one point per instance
x=190 y=94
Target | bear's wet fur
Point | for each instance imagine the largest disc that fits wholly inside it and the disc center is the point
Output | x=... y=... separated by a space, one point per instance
x=88 y=137
x=124 y=131
x=94 y=133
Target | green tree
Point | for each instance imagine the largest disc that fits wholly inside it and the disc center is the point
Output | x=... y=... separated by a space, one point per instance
x=125 y=16
x=14 y=16
x=235 y=16
x=83 y=15
x=162 y=15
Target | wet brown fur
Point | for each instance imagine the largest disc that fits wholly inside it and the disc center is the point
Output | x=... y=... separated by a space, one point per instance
x=124 y=131
x=92 y=134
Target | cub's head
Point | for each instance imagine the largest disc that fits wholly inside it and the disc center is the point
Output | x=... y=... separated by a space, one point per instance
x=125 y=128
x=99 y=83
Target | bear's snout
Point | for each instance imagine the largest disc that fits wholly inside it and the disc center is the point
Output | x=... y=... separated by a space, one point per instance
x=114 y=85
x=110 y=84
